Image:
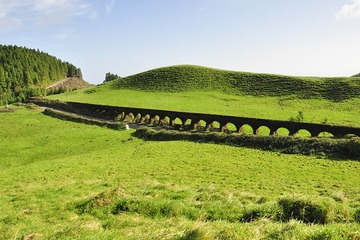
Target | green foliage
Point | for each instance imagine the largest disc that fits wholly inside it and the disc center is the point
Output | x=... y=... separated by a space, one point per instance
x=298 y=118
x=304 y=210
x=26 y=72
x=184 y=78
x=110 y=77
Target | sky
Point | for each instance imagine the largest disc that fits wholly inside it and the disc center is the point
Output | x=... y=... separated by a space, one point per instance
x=125 y=37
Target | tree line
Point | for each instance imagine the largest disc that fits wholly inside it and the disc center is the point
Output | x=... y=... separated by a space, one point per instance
x=27 y=72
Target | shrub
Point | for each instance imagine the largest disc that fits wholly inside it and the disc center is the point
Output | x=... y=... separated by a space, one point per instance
x=298 y=118
x=353 y=147
x=303 y=210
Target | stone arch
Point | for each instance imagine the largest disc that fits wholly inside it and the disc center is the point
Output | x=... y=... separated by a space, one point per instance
x=177 y=123
x=166 y=121
x=229 y=128
x=120 y=116
x=282 y=132
x=129 y=117
x=187 y=121
x=155 y=120
x=263 y=131
x=137 y=118
x=214 y=126
x=303 y=133
x=145 y=119
x=246 y=129
x=326 y=135
x=200 y=125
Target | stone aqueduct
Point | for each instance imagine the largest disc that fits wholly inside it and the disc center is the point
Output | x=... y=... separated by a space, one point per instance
x=111 y=112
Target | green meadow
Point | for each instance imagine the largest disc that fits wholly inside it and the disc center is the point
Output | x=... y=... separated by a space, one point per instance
x=64 y=180
x=281 y=108
x=67 y=180
x=206 y=90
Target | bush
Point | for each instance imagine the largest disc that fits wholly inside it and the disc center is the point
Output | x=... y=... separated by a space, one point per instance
x=353 y=147
x=303 y=210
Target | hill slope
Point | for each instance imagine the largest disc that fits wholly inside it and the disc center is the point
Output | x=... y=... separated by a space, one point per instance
x=26 y=72
x=195 y=78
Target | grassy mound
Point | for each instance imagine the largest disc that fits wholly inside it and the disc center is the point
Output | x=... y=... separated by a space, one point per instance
x=183 y=78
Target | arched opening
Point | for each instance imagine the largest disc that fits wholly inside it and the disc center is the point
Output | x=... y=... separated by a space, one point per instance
x=187 y=122
x=155 y=120
x=303 y=133
x=177 y=123
x=129 y=118
x=263 y=131
x=246 y=129
x=120 y=117
x=214 y=126
x=229 y=128
x=282 y=132
x=165 y=122
x=145 y=119
x=200 y=125
x=138 y=118
x=325 y=135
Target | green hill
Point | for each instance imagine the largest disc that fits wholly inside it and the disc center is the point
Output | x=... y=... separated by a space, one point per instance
x=183 y=78
x=26 y=72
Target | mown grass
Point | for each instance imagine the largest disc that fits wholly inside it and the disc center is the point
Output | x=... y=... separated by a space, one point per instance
x=64 y=180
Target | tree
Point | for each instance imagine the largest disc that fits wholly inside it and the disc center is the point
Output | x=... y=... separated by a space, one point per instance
x=110 y=77
x=22 y=69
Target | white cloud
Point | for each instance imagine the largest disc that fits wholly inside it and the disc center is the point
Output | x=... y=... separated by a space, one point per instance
x=14 y=13
x=349 y=11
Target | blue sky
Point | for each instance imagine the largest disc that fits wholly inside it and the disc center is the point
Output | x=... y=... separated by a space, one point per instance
x=292 y=37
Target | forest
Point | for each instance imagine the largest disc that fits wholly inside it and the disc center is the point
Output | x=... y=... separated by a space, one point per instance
x=27 y=72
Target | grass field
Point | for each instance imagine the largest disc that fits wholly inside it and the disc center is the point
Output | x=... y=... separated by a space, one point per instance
x=207 y=90
x=64 y=180
x=282 y=108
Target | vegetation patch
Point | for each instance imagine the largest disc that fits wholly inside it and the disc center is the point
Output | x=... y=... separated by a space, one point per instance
x=209 y=206
x=346 y=148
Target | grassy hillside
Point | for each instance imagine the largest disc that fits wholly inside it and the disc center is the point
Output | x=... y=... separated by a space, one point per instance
x=206 y=90
x=64 y=180
x=185 y=78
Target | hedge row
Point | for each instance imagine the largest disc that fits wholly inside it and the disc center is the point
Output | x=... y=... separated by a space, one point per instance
x=340 y=148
